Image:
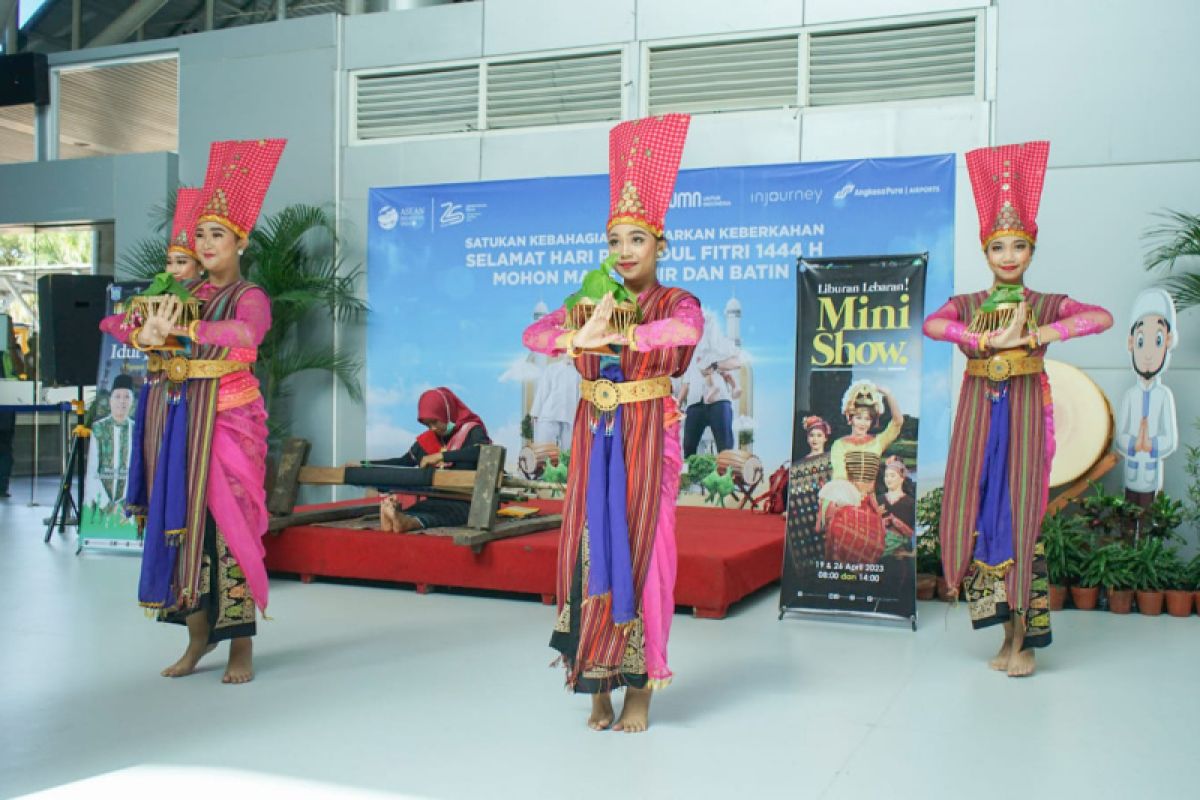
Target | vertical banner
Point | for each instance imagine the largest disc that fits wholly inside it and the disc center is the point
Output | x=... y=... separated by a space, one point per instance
x=457 y=271
x=852 y=496
x=119 y=378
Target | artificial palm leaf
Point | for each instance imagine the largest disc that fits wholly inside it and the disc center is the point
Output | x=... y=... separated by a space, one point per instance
x=1178 y=237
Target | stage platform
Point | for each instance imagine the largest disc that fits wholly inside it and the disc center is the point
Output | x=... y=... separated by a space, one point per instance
x=724 y=555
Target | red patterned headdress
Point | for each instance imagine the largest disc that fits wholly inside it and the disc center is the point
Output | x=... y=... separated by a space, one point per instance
x=643 y=161
x=239 y=174
x=1007 y=182
x=183 y=227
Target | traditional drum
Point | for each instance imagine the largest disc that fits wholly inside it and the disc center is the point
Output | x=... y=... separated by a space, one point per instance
x=746 y=467
x=534 y=458
x=1083 y=422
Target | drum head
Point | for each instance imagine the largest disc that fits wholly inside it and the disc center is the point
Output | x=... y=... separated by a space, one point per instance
x=1083 y=422
x=528 y=461
x=752 y=470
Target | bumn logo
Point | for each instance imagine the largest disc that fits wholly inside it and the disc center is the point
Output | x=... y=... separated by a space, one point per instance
x=844 y=192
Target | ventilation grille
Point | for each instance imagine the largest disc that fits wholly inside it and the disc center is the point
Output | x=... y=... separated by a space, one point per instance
x=554 y=91
x=123 y=108
x=411 y=103
x=761 y=73
x=909 y=63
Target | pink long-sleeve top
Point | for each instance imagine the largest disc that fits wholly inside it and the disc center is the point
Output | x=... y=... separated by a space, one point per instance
x=242 y=335
x=1074 y=319
x=682 y=329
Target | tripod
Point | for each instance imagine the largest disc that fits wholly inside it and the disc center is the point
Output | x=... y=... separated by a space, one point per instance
x=66 y=504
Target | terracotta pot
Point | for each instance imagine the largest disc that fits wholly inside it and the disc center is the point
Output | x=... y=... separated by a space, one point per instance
x=1120 y=601
x=1197 y=596
x=1179 y=602
x=1085 y=597
x=944 y=591
x=927 y=587
x=1150 y=603
x=1058 y=597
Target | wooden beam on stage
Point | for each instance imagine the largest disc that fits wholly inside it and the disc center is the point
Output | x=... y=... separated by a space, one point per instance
x=446 y=479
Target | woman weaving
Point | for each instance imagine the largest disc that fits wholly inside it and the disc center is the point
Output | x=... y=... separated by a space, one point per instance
x=454 y=436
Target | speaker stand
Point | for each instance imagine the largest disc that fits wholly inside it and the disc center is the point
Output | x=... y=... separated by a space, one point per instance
x=66 y=504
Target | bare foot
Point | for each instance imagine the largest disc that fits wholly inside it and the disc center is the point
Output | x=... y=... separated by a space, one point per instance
x=1000 y=662
x=602 y=712
x=240 y=668
x=1021 y=665
x=387 y=514
x=406 y=524
x=186 y=665
x=635 y=713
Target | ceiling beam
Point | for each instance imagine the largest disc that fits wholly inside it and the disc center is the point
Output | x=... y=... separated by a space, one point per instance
x=125 y=25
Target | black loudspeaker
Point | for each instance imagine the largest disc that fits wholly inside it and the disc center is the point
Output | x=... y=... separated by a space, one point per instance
x=24 y=78
x=70 y=308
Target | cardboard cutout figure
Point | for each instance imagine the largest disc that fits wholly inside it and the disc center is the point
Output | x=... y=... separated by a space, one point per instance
x=1146 y=429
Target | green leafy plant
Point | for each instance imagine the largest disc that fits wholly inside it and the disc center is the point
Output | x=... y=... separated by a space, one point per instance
x=599 y=282
x=1192 y=574
x=929 y=522
x=1163 y=518
x=527 y=429
x=292 y=256
x=1154 y=565
x=1065 y=542
x=1110 y=566
x=1178 y=237
x=1173 y=571
x=1109 y=516
x=745 y=438
x=1192 y=469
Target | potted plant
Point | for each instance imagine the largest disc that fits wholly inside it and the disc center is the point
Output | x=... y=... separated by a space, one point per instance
x=1193 y=579
x=1162 y=518
x=929 y=564
x=1063 y=542
x=1113 y=569
x=1150 y=563
x=1085 y=592
x=1110 y=516
x=1177 y=581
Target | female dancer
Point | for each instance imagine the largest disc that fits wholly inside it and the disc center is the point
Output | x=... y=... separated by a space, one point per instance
x=616 y=558
x=206 y=509
x=998 y=473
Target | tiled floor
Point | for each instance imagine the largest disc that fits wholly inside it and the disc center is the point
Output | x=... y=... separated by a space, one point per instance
x=450 y=696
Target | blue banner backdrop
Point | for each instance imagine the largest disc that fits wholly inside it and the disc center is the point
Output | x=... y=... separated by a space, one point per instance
x=457 y=271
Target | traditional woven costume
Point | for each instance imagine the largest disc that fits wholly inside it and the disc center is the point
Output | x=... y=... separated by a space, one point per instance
x=854 y=531
x=616 y=557
x=1002 y=444
x=204 y=461
x=805 y=538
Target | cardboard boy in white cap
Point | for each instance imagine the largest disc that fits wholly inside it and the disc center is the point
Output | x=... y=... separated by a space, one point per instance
x=1146 y=429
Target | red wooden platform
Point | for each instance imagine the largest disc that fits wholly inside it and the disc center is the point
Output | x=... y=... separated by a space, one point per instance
x=724 y=555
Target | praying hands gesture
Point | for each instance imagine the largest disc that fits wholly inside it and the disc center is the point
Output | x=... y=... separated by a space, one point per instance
x=594 y=334
x=1014 y=335
x=161 y=323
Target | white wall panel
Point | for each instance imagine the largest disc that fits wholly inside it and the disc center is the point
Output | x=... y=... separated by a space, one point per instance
x=877 y=131
x=579 y=150
x=821 y=12
x=741 y=138
x=522 y=26
x=416 y=36
x=1106 y=83
x=665 y=19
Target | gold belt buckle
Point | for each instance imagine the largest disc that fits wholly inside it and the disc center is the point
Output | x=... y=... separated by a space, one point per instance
x=604 y=395
x=999 y=369
x=176 y=369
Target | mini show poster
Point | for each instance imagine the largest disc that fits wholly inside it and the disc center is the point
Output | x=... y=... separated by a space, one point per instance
x=850 y=546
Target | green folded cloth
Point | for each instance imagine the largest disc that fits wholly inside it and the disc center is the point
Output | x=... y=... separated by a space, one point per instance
x=1003 y=295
